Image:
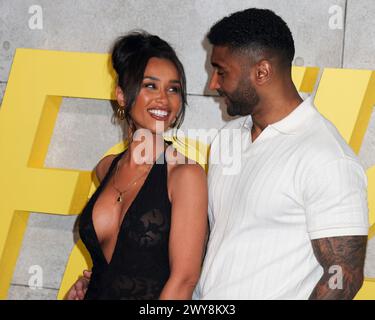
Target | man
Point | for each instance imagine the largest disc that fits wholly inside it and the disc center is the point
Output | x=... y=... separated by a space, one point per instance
x=293 y=222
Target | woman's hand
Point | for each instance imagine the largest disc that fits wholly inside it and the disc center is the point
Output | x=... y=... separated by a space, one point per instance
x=79 y=288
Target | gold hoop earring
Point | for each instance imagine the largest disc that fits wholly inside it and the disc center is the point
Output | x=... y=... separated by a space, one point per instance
x=120 y=113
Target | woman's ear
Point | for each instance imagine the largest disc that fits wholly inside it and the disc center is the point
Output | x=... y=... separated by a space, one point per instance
x=120 y=97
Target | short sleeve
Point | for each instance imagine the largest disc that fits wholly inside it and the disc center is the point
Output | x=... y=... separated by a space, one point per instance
x=335 y=198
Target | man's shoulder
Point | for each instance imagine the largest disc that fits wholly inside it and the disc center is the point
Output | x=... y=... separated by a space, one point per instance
x=323 y=143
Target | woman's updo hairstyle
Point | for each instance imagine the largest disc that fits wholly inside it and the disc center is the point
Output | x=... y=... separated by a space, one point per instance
x=130 y=55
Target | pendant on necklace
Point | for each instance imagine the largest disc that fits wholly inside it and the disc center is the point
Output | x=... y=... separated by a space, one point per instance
x=119 y=198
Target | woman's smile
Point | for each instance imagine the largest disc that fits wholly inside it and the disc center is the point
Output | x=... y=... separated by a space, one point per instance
x=160 y=114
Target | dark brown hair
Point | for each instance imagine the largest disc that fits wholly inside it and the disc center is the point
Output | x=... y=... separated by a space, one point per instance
x=130 y=55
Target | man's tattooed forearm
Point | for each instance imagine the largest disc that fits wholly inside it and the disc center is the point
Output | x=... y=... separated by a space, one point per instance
x=348 y=253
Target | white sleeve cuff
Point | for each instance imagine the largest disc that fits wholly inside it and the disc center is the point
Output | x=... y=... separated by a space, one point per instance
x=338 y=232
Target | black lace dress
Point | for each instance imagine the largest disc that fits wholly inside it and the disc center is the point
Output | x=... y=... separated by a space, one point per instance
x=139 y=267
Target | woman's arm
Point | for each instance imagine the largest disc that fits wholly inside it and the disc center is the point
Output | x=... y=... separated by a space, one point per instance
x=188 y=192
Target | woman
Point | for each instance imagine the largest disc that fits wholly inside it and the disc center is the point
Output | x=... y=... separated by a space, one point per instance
x=145 y=226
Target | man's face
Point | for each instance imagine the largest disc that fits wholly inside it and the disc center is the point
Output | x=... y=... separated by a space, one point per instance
x=231 y=79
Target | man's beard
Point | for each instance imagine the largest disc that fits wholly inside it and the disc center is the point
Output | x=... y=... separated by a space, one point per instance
x=241 y=102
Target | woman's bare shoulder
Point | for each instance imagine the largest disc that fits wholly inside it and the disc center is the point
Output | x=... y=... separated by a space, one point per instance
x=185 y=171
x=103 y=165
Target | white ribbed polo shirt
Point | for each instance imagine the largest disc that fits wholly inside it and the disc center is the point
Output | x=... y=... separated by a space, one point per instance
x=297 y=182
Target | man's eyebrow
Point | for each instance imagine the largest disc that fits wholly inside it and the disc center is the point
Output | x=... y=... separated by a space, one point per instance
x=216 y=65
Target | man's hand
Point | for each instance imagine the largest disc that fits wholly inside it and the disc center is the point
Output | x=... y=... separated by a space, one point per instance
x=79 y=288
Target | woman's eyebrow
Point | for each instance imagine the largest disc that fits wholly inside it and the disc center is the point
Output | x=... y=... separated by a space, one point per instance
x=151 y=78
x=175 y=81
x=157 y=79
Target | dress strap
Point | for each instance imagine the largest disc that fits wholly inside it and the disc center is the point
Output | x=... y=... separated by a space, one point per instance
x=112 y=166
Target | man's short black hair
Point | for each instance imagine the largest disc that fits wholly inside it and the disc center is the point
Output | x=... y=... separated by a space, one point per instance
x=256 y=30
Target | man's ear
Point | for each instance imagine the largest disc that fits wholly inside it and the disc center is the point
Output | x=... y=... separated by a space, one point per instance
x=262 y=72
x=120 y=97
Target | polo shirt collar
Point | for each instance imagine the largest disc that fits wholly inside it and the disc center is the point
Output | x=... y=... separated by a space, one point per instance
x=293 y=122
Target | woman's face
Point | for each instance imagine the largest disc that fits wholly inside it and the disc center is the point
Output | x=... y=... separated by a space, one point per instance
x=159 y=100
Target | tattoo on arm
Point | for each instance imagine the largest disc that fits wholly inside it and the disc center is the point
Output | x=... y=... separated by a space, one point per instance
x=348 y=254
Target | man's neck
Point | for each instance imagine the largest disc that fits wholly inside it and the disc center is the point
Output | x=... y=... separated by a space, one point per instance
x=272 y=110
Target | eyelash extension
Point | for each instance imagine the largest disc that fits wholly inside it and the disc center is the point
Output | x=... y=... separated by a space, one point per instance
x=145 y=85
x=177 y=89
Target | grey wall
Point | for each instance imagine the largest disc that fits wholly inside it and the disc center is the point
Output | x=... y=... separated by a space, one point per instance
x=92 y=25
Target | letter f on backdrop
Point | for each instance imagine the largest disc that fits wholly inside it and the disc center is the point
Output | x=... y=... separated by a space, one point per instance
x=37 y=83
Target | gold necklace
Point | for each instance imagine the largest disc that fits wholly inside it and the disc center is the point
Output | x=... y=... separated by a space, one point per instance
x=129 y=185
